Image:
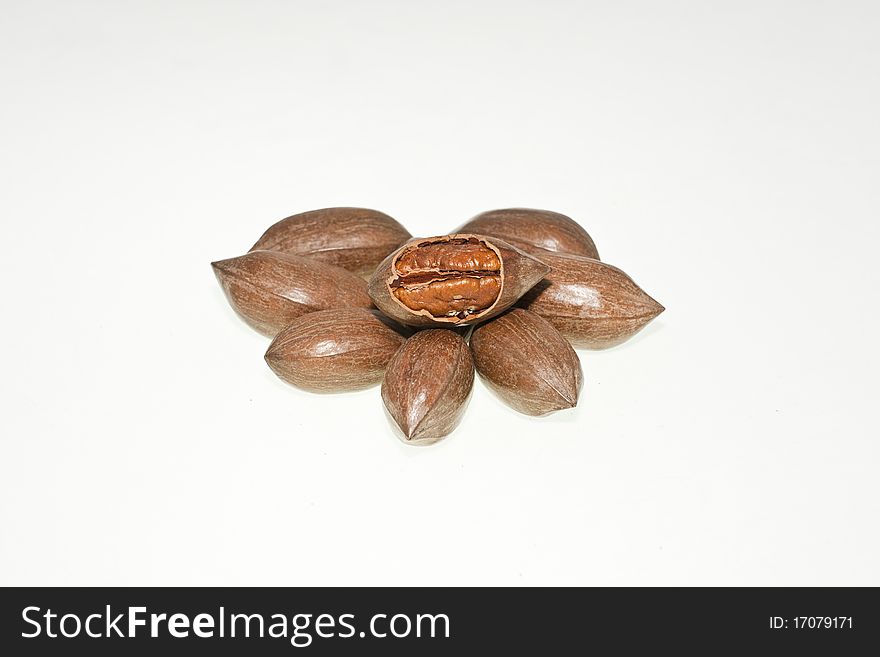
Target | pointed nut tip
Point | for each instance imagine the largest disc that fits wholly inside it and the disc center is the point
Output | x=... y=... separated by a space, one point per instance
x=404 y=431
x=414 y=434
x=417 y=440
x=568 y=400
x=221 y=265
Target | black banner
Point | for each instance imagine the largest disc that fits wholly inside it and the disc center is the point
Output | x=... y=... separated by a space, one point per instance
x=179 y=621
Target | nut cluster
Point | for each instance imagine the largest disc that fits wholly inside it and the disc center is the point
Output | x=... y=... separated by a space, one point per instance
x=351 y=300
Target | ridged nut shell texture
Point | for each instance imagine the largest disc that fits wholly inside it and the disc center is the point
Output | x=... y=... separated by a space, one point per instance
x=427 y=385
x=593 y=304
x=356 y=239
x=336 y=350
x=269 y=289
x=527 y=363
x=534 y=231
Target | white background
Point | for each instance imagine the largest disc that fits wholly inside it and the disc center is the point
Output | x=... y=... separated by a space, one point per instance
x=725 y=155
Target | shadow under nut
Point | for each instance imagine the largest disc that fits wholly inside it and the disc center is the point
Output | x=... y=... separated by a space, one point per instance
x=269 y=289
x=356 y=239
x=336 y=350
x=427 y=385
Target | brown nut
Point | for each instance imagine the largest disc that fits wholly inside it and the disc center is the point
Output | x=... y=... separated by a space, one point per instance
x=356 y=239
x=270 y=289
x=427 y=385
x=527 y=363
x=594 y=305
x=534 y=231
x=335 y=350
x=453 y=279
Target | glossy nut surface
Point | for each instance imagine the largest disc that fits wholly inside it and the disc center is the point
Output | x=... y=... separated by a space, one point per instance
x=356 y=239
x=593 y=304
x=269 y=289
x=336 y=350
x=427 y=385
x=534 y=231
x=527 y=363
